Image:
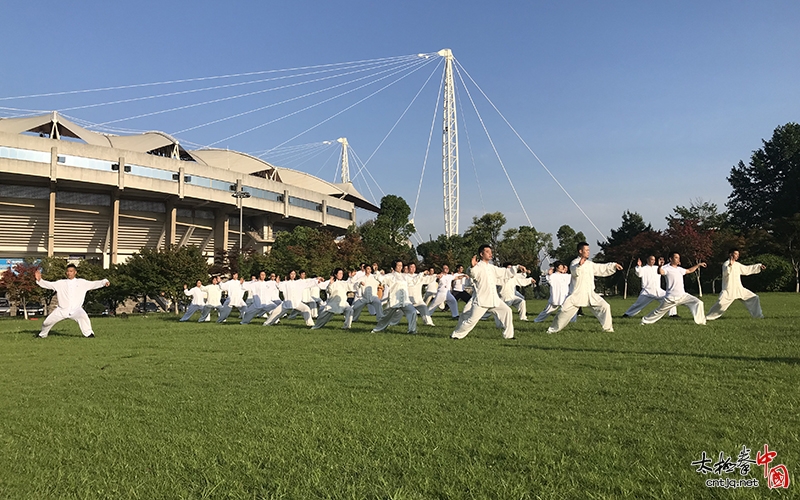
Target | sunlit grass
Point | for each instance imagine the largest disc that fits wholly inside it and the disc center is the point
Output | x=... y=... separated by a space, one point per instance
x=153 y=408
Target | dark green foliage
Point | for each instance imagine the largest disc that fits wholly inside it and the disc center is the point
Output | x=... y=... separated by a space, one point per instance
x=777 y=277
x=568 y=240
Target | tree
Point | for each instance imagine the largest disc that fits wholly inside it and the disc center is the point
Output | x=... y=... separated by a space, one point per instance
x=19 y=283
x=787 y=232
x=568 y=241
x=386 y=237
x=452 y=251
x=641 y=246
x=486 y=230
x=618 y=248
x=305 y=248
x=523 y=246
x=768 y=188
x=163 y=272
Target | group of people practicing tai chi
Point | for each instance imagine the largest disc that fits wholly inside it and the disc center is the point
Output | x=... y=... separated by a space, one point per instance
x=398 y=293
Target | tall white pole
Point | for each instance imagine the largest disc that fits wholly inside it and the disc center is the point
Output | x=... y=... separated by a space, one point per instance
x=449 y=148
x=345 y=161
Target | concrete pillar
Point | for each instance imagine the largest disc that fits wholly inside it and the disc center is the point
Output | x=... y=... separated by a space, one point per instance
x=285 y=203
x=181 y=182
x=53 y=164
x=115 y=225
x=171 y=224
x=121 y=179
x=221 y=227
x=324 y=212
x=51 y=222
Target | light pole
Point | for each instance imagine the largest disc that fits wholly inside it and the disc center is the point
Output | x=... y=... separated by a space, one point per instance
x=240 y=195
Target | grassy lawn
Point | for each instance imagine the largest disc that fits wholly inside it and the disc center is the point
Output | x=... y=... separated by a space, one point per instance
x=153 y=408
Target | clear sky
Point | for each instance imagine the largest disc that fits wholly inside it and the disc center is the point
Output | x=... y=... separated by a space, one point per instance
x=635 y=105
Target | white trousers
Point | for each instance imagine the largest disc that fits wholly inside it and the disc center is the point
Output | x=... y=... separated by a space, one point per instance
x=373 y=304
x=441 y=298
x=751 y=302
x=694 y=304
x=79 y=316
x=550 y=309
x=278 y=313
x=472 y=314
x=642 y=301
x=226 y=309
x=254 y=311
x=206 y=316
x=393 y=316
x=601 y=310
x=193 y=308
x=327 y=314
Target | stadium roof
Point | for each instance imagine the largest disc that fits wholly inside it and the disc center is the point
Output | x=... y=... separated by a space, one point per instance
x=55 y=126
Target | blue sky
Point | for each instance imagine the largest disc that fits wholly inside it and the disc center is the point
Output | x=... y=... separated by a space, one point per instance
x=637 y=106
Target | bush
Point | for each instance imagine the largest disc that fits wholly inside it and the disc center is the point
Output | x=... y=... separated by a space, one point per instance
x=777 y=277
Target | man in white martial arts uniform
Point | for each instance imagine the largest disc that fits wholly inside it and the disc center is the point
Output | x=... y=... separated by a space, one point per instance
x=415 y=284
x=459 y=285
x=198 y=300
x=651 y=286
x=432 y=288
x=312 y=298
x=213 y=300
x=396 y=288
x=233 y=287
x=583 y=272
x=485 y=277
x=732 y=289
x=368 y=295
x=71 y=293
x=443 y=293
x=559 y=280
x=676 y=294
x=265 y=297
x=508 y=291
x=292 y=290
x=336 y=288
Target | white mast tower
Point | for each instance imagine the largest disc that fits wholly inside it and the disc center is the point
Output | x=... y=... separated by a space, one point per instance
x=449 y=148
x=345 y=164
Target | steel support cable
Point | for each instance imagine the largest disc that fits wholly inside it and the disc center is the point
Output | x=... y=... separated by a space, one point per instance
x=472 y=157
x=246 y=94
x=204 y=78
x=340 y=112
x=502 y=165
x=289 y=149
x=292 y=153
x=307 y=156
x=301 y=156
x=428 y=147
x=404 y=112
x=358 y=160
x=217 y=87
x=326 y=162
x=534 y=154
x=392 y=72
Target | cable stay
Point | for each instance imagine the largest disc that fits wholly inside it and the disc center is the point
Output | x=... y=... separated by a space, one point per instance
x=417 y=68
x=472 y=156
x=494 y=148
x=428 y=148
x=205 y=78
x=531 y=151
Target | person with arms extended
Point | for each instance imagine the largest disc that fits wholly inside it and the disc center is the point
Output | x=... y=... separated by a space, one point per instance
x=732 y=289
x=676 y=295
x=651 y=287
x=583 y=272
x=71 y=293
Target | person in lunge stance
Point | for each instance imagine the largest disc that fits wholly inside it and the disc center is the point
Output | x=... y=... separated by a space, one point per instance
x=732 y=289
x=71 y=293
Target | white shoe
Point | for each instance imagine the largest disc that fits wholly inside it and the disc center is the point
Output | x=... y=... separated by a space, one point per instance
x=551 y=330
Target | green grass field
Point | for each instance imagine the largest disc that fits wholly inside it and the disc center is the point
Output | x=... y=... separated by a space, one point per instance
x=153 y=408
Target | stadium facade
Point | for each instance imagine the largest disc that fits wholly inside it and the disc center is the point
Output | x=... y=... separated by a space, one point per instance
x=67 y=191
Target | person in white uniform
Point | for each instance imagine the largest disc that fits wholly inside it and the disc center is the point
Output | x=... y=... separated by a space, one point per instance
x=676 y=295
x=213 y=300
x=415 y=283
x=71 y=293
x=292 y=290
x=234 y=288
x=651 y=287
x=508 y=291
x=198 y=300
x=396 y=286
x=732 y=289
x=265 y=297
x=337 y=289
x=443 y=293
x=459 y=285
x=367 y=285
x=583 y=272
x=485 y=277
x=559 y=280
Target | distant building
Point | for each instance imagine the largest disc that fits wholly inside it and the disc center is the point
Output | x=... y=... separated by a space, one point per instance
x=67 y=191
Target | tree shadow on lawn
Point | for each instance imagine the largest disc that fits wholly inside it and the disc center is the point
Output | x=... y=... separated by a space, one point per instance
x=787 y=360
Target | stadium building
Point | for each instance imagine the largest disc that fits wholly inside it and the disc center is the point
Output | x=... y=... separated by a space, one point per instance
x=70 y=192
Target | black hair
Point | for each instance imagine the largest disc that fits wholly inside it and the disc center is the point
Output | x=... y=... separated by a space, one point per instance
x=482 y=248
x=580 y=245
x=73 y=266
x=734 y=249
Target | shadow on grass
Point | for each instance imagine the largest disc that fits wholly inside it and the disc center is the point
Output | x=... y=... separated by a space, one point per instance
x=787 y=360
